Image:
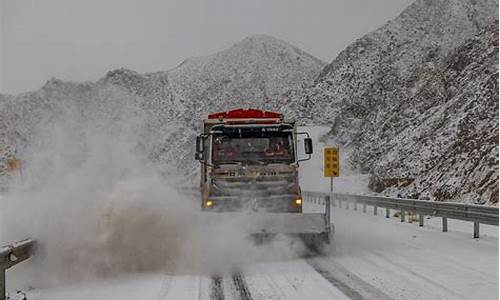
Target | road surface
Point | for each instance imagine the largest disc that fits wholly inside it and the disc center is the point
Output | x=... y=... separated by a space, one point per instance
x=371 y=258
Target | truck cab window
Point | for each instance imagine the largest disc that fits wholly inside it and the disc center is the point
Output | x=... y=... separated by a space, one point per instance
x=253 y=146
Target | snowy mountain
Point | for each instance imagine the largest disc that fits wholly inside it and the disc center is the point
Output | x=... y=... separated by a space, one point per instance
x=257 y=70
x=415 y=102
x=253 y=73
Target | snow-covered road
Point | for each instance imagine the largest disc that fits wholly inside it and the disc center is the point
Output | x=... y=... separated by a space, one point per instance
x=294 y=279
x=373 y=258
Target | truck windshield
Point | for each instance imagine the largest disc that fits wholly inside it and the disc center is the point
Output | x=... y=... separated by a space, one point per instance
x=259 y=145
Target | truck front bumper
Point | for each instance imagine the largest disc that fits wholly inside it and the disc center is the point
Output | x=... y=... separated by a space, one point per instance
x=269 y=203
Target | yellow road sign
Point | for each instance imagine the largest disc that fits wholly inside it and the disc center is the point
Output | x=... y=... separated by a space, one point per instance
x=13 y=164
x=332 y=162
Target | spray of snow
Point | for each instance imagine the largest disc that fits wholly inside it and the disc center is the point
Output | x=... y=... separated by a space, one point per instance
x=98 y=207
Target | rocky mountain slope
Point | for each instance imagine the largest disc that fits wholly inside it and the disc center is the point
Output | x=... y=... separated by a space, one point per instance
x=412 y=100
x=449 y=148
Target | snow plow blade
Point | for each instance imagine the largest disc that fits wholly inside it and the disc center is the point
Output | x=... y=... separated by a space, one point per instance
x=311 y=228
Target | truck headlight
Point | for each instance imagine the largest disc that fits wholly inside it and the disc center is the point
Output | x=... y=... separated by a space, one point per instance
x=298 y=201
x=209 y=203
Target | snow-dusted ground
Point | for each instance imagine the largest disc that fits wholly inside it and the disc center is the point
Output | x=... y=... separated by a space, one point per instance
x=405 y=261
x=280 y=280
x=148 y=286
x=377 y=257
x=294 y=279
x=372 y=258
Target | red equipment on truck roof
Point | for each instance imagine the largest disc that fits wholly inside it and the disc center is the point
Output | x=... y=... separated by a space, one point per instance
x=246 y=114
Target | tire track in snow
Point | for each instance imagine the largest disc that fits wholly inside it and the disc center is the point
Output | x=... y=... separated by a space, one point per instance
x=216 y=289
x=290 y=279
x=241 y=286
x=351 y=285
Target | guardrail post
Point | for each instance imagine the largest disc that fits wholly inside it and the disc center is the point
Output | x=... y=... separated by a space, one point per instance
x=476 y=230
x=402 y=215
x=11 y=255
x=420 y=220
x=340 y=203
x=2 y=284
x=445 y=224
x=364 y=206
x=387 y=212
x=356 y=204
x=375 y=209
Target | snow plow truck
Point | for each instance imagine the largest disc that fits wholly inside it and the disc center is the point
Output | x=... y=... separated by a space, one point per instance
x=250 y=166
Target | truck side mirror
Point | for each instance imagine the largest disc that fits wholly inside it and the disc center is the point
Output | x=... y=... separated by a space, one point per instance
x=199 y=144
x=199 y=148
x=198 y=156
x=308 y=145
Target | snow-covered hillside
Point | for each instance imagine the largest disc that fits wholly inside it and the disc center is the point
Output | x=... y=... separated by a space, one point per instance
x=253 y=73
x=257 y=69
x=416 y=101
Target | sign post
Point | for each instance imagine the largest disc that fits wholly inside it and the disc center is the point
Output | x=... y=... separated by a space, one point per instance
x=331 y=169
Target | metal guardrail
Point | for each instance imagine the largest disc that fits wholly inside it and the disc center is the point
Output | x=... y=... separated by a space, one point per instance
x=466 y=212
x=11 y=255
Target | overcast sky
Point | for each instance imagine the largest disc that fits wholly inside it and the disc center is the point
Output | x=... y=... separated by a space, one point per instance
x=83 y=39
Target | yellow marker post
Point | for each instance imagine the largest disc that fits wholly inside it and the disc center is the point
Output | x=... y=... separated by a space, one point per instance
x=331 y=167
x=331 y=162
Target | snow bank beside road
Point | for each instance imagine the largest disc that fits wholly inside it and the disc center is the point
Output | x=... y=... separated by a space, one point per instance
x=410 y=262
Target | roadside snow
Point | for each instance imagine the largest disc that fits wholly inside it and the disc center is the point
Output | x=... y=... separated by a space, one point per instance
x=311 y=171
x=410 y=262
